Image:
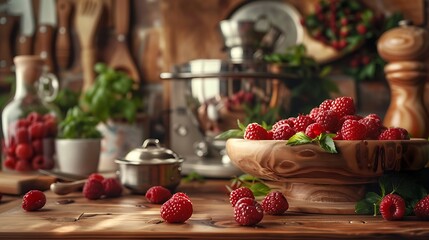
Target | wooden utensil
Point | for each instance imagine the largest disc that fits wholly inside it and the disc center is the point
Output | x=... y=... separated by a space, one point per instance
x=63 y=188
x=7 y=23
x=87 y=18
x=121 y=58
x=63 y=45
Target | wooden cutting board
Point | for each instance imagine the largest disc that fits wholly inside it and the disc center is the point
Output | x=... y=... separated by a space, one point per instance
x=18 y=183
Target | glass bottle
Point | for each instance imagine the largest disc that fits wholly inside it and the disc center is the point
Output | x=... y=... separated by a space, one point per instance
x=29 y=122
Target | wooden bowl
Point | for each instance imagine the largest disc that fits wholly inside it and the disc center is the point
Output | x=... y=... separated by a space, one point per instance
x=316 y=181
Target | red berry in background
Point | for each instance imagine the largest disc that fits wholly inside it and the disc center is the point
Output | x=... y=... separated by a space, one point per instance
x=392 y=207
x=10 y=162
x=38 y=162
x=254 y=131
x=23 y=123
x=301 y=123
x=344 y=21
x=33 y=200
x=239 y=193
x=24 y=151
x=37 y=146
x=93 y=189
x=375 y=116
x=176 y=210
x=315 y=129
x=343 y=106
x=275 y=203
x=50 y=128
x=248 y=212
x=283 y=132
x=112 y=187
x=421 y=209
x=34 y=117
x=342 y=43
x=10 y=148
x=158 y=194
x=361 y=29
x=23 y=166
x=96 y=176
x=394 y=133
x=326 y=104
x=22 y=135
x=36 y=130
x=365 y=60
x=353 y=130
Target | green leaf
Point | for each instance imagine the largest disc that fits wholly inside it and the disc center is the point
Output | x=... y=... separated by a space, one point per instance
x=364 y=207
x=232 y=133
x=248 y=178
x=325 y=71
x=260 y=189
x=327 y=143
x=372 y=197
x=298 y=139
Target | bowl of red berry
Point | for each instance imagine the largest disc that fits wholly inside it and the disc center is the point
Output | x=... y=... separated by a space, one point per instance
x=324 y=160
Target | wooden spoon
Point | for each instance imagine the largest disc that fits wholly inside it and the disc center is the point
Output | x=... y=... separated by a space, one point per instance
x=121 y=58
x=63 y=188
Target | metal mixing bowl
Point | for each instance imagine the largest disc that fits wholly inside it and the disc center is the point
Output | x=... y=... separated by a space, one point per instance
x=150 y=165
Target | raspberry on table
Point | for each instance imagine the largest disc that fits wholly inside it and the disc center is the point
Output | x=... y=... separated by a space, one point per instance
x=158 y=194
x=248 y=212
x=315 y=129
x=353 y=130
x=176 y=210
x=301 y=122
x=343 y=106
x=93 y=189
x=255 y=131
x=239 y=193
x=421 y=209
x=394 y=133
x=392 y=207
x=275 y=203
x=112 y=187
x=33 y=200
x=96 y=176
x=283 y=132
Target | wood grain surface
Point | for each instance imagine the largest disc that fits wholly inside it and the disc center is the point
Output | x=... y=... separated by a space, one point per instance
x=132 y=217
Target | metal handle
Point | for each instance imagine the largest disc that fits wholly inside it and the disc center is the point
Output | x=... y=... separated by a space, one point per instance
x=151 y=142
x=48 y=87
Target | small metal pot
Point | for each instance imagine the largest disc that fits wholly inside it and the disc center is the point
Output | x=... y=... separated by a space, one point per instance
x=150 y=165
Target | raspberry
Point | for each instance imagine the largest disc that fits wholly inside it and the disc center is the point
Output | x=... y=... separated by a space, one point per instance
x=281 y=122
x=283 y=132
x=394 y=134
x=270 y=135
x=315 y=129
x=158 y=194
x=239 y=193
x=353 y=130
x=22 y=123
x=93 y=189
x=392 y=207
x=421 y=209
x=50 y=127
x=96 y=176
x=24 y=151
x=22 y=135
x=275 y=203
x=10 y=162
x=248 y=212
x=347 y=117
x=326 y=105
x=38 y=162
x=373 y=127
x=112 y=187
x=301 y=123
x=254 y=131
x=176 y=210
x=37 y=146
x=23 y=166
x=314 y=112
x=36 y=130
x=33 y=200
x=338 y=136
x=343 y=106
x=34 y=117
x=328 y=119
x=181 y=194
x=374 y=116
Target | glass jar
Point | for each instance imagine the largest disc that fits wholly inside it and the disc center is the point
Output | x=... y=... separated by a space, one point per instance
x=29 y=122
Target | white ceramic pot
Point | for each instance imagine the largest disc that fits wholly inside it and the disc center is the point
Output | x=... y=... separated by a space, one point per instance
x=118 y=139
x=78 y=156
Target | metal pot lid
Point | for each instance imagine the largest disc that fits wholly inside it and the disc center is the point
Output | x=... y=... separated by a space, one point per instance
x=151 y=152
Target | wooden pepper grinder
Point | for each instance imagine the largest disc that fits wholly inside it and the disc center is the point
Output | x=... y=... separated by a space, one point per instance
x=405 y=48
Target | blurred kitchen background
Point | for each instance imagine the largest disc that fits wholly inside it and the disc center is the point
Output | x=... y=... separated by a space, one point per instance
x=180 y=59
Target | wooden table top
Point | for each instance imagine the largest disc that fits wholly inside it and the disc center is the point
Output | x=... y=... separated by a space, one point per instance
x=132 y=217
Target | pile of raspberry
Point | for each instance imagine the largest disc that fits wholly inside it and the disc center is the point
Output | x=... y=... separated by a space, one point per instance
x=25 y=147
x=393 y=207
x=337 y=116
x=97 y=186
x=248 y=212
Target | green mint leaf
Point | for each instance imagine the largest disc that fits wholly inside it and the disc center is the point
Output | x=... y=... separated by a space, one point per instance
x=372 y=197
x=240 y=125
x=327 y=143
x=232 y=133
x=260 y=189
x=248 y=178
x=364 y=207
x=298 y=139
